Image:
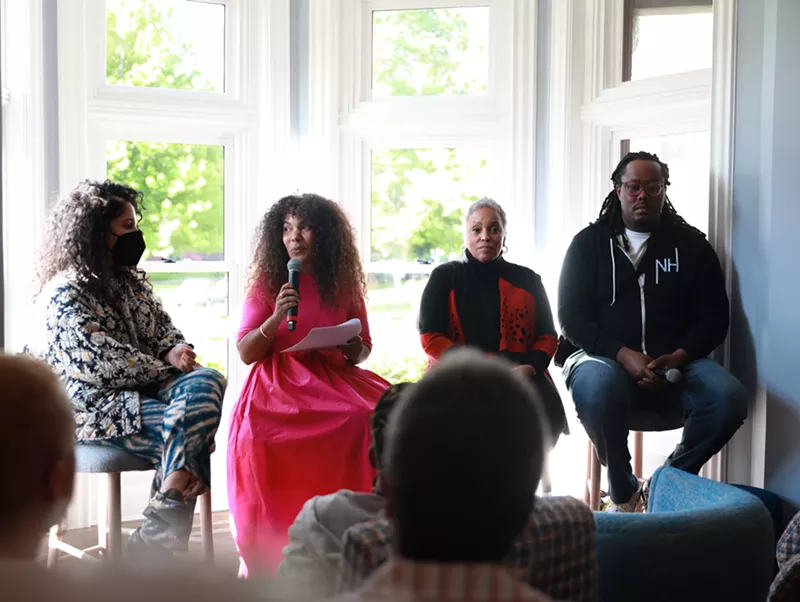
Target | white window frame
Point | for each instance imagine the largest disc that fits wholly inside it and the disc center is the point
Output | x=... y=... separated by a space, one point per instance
x=592 y=110
x=345 y=123
x=23 y=157
x=251 y=119
x=236 y=88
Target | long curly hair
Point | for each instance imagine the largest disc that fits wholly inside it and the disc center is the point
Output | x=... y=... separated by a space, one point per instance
x=611 y=211
x=337 y=266
x=75 y=238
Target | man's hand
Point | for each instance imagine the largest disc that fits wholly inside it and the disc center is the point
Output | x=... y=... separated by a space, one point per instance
x=182 y=357
x=637 y=364
x=675 y=360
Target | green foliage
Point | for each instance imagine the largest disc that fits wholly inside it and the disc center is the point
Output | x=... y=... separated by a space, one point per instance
x=216 y=365
x=143 y=50
x=183 y=195
x=398 y=368
x=424 y=53
x=437 y=230
x=419 y=197
x=182 y=183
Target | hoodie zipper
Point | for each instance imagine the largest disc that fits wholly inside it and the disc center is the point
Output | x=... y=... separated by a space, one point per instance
x=644 y=312
x=641 y=293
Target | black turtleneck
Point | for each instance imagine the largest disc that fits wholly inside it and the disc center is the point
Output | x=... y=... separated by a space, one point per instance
x=464 y=302
x=479 y=309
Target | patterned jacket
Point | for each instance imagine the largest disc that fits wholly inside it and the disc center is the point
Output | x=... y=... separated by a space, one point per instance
x=105 y=355
x=554 y=553
x=786 y=585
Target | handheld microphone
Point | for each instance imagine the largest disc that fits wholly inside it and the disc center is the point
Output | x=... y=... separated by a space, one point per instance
x=294 y=266
x=672 y=375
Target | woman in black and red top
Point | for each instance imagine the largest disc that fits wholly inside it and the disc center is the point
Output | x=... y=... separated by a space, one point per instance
x=486 y=302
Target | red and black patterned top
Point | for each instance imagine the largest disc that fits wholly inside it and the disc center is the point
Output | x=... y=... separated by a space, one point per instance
x=498 y=307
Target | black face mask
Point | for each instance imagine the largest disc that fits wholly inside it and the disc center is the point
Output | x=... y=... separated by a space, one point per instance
x=128 y=249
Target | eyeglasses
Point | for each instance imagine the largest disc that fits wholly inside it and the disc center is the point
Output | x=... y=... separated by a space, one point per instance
x=652 y=188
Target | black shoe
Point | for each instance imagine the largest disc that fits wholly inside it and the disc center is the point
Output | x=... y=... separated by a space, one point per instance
x=138 y=551
x=167 y=521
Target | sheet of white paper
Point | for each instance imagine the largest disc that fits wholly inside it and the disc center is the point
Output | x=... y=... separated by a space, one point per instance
x=328 y=336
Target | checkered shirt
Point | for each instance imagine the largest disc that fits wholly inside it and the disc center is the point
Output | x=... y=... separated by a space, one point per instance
x=789 y=543
x=441 y=582
x=554 y=553
x=786 y=585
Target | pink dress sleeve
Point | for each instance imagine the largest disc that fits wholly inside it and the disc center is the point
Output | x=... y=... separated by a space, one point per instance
x=359 y=310
x=255 y=311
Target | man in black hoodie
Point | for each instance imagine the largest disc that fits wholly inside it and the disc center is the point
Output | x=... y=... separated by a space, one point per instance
x=642 y=293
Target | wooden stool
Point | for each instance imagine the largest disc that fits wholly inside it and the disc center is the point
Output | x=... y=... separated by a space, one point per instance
x=640 y=423
x=98 y=459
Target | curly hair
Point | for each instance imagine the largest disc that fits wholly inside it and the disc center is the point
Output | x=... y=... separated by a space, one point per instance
x=337 y=266
x=75 y=238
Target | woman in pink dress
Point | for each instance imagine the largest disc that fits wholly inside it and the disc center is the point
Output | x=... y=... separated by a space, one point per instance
x=301 y=425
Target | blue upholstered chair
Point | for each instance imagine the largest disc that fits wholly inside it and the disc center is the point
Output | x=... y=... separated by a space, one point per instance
x=111 y=462
x=700 y=541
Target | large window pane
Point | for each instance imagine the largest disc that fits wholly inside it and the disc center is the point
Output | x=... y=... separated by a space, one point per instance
x=418 y=201
x=430 y=52
x=688 y=156
x=198 y=305
x=670 y=36
x=176 y=44
x=183 y=187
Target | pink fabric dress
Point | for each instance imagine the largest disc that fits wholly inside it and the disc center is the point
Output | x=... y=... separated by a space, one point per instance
x=299 y=429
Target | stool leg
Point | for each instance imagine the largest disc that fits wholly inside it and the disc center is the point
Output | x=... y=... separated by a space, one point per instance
x=102 y=519
x=114 y=517
x=53 y=553
x=596 y=473
x=638 y=452
x=586 y=482
x=207 y=527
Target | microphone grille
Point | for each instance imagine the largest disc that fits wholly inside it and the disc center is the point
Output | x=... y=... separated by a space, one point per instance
x=294 y=265
x=674 y=376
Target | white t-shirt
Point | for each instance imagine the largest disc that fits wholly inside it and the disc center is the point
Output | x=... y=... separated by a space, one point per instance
x=638 y=244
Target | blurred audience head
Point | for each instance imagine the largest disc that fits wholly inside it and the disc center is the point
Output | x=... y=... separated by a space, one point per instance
x=465 y=452
x=36 y=454
x=379 y=420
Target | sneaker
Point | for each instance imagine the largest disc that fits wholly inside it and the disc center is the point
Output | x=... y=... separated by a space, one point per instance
x=637 y=503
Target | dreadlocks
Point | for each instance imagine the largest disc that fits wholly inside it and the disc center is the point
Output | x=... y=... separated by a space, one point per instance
x=611 y=211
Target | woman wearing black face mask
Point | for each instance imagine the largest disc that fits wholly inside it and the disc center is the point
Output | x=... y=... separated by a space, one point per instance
x=133 y=380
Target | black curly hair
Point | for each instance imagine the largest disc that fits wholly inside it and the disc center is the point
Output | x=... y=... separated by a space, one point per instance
x=337 y=266
x=75 y=238
x=611 y=211
x=379 y=419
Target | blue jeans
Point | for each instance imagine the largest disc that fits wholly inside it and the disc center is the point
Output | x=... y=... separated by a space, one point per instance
x=714 y=404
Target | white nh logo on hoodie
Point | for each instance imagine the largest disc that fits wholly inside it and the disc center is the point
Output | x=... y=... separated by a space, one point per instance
x=666 y=265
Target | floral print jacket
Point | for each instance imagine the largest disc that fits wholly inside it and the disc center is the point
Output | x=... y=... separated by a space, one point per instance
x=105 y=355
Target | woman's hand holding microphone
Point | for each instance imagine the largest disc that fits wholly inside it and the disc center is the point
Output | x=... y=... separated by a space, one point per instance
x=287 y=298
